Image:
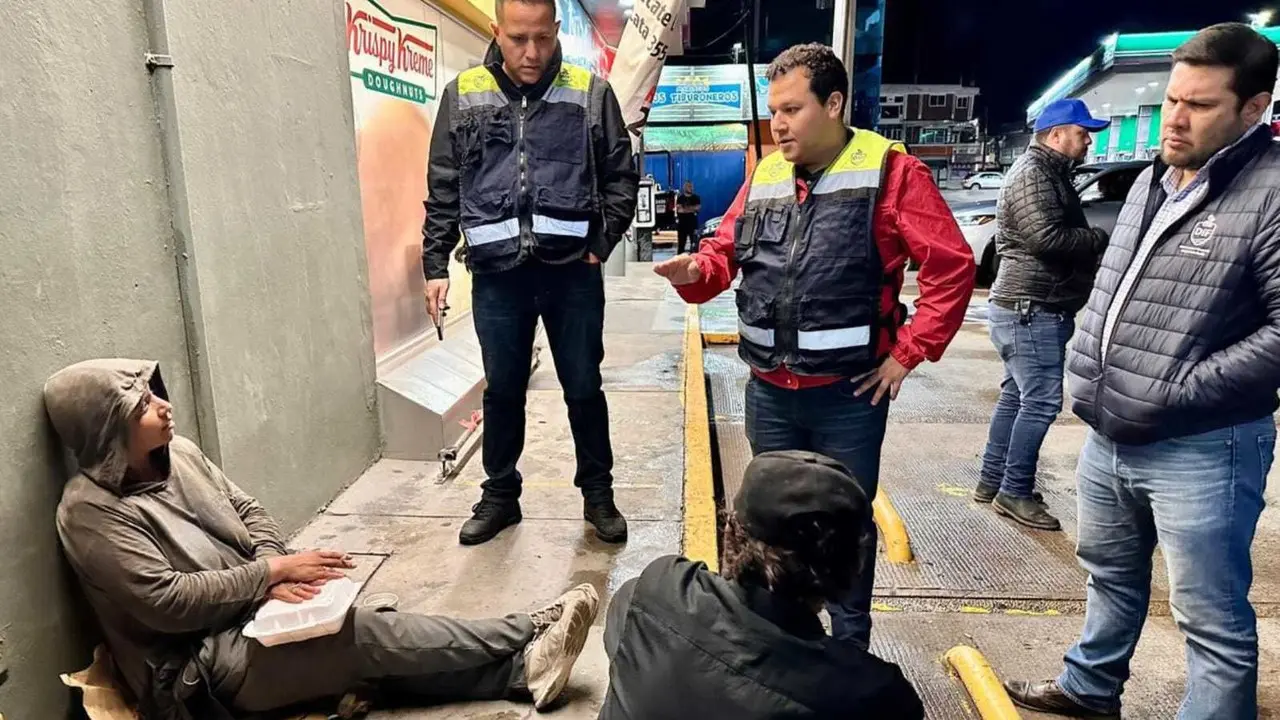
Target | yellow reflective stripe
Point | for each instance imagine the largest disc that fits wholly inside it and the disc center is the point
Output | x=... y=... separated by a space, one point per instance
x=866 y=151
x=573 y=78
x=774 y=168
x=476 y=99
x=477 y=80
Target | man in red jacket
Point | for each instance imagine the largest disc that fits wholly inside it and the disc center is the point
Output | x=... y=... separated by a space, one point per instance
x=822 y=233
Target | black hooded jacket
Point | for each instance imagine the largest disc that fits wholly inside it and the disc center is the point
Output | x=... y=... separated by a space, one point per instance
x=684 y=642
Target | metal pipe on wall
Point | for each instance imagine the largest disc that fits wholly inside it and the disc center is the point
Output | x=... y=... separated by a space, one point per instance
x=160 y=63
x=750 y=32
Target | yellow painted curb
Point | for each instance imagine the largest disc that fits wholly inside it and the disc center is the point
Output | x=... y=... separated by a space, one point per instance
x=980 y=681
x=699 y=527
x=718 y=338
x=897 y=545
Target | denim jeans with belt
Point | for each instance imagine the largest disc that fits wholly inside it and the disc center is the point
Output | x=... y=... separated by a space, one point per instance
x=1032 y=348
x=506 y=307
x=830 y=421
x=1199 y=497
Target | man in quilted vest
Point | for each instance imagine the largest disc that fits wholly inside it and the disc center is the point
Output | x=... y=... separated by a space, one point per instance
x=1048 y=256
x=1175 y=369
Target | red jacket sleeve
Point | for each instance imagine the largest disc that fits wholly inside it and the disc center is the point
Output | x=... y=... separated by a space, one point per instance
x=928 y=230
x=715 y=256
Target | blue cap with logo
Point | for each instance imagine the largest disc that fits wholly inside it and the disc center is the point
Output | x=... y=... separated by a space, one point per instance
x=1069 y=111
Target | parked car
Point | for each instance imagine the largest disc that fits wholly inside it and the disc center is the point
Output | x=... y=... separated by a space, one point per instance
x=709 y=228
x=983 y=181
x=1103 y=188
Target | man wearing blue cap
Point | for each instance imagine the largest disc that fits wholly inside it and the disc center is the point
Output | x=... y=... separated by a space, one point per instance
x=1048 y=257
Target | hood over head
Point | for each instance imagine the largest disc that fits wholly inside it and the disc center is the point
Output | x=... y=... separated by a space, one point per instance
x=91 y=404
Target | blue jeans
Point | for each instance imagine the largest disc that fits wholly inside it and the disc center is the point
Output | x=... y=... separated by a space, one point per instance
x=506 y=307
x=830 y=421
x=1199 y=497
x=1030 y=395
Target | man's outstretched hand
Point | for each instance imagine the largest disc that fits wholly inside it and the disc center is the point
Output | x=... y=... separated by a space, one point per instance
x=680 y=270
x=885 y=379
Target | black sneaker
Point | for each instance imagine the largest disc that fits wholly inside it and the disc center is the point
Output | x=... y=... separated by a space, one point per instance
x=984 y=494
x=611 y=527
x=1025 y=511
x=489 y=517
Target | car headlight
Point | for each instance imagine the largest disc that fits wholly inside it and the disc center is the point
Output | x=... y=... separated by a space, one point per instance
x=974 y=220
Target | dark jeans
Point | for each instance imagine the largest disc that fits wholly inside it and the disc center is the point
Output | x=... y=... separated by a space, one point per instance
x=1199 y=498
x=506 y=307
x=686 y=236
x=828 y=420
x=1030 y=395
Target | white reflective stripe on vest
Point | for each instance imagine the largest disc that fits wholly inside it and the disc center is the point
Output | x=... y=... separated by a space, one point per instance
x=772 y=191
x=758 y=336
x=543 y=225
x=565 y=95
x=847 y=180
x=494 y=232
x=835 y=339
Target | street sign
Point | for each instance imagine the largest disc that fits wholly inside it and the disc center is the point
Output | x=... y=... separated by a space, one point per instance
x=645 y=215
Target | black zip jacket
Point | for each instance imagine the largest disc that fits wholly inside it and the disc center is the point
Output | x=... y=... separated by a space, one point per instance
x=616 y=175
x=684 y=642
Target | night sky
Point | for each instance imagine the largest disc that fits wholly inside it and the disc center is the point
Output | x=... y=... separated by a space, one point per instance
x=1012 y=49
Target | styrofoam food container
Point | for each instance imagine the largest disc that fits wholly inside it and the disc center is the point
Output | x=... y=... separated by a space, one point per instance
x=278 y=622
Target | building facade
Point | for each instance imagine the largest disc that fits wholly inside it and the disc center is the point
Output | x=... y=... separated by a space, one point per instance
x=937 y=123
x=1124 y=79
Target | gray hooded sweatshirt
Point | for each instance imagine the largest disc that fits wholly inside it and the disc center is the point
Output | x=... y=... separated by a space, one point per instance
x=165 y=565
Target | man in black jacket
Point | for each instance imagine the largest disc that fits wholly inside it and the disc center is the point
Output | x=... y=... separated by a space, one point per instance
x=684 y=642
x=1048 y=256
x=1175 y=369
x=532 y=164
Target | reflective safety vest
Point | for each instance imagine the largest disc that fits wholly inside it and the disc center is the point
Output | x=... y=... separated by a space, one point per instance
x=527 y=170
x=812 y=275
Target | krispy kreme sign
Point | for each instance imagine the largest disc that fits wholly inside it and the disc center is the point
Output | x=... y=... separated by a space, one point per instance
x=390 y=54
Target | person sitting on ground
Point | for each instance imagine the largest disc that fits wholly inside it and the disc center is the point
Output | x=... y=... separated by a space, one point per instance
x=684 y=642
x=175 y=560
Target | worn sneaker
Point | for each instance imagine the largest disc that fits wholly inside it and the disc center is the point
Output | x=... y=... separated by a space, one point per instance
x=611 y=527
x=1025 y=511
x=559 y=634
x=489 y=517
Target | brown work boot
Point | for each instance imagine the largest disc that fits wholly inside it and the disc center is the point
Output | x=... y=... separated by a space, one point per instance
x=1047 y=697
x=1025 y=511
x=559 y=634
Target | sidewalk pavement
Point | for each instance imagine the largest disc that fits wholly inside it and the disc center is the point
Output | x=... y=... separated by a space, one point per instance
x=402 y=523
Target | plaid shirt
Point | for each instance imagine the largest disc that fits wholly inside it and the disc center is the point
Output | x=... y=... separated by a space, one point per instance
x=1177 y=205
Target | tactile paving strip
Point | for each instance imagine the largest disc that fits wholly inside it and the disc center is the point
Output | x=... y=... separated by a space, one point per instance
x=1022 y=648
x=727 y=375
x=735 y=453
x=918 y=648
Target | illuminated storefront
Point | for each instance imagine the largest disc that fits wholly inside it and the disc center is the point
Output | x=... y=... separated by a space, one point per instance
x=1124 y=80
x=402 y=53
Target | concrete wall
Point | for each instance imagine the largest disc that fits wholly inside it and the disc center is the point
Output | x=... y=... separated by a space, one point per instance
x=264 y=107
x=89 y=269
